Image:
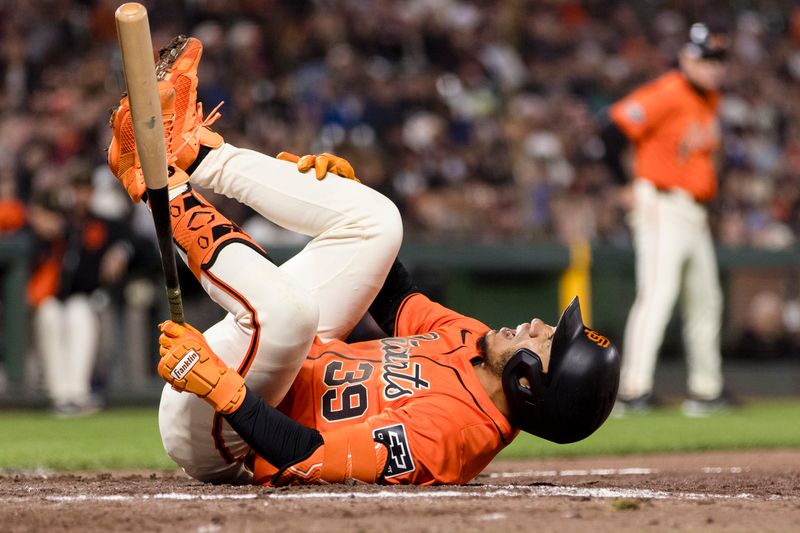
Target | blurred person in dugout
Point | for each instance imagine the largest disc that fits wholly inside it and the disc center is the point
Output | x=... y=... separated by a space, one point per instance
x=76 y=256
x=672 y=125
x=12 y=210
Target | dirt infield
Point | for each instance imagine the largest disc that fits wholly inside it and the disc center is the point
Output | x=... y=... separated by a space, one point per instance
x=753 y=491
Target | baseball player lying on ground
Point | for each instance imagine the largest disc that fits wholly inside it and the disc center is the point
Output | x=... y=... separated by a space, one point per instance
x=272 y=394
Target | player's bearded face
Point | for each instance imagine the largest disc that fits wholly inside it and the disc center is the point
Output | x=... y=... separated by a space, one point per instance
x=496 y=362
x=498 y=346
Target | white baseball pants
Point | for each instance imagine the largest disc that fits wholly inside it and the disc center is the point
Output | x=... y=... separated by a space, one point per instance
x=275 y=312
x=674 y=256
x=67 y=335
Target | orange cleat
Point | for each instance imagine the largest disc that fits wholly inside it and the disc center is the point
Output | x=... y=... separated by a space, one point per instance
x=177 y=65
x=123 y=158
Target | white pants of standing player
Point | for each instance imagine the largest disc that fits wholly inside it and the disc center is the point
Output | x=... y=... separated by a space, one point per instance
x=67 y=334
x=674 y=257
x=324 y=290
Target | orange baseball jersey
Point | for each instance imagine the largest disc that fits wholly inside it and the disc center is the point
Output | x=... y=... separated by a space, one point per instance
x=675 y=133
x=417 y=393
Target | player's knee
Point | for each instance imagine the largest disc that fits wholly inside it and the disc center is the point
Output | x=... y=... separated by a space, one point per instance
x=392 y=223
x=385 y=223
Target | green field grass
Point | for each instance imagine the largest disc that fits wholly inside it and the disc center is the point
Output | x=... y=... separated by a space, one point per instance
x=765 y=424
x=128 y=438
x=112 y=439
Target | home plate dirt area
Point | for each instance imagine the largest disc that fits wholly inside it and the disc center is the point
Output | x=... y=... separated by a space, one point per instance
x=735 y=491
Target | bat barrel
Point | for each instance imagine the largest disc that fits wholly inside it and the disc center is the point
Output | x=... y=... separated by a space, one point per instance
x=133 y=30
x=136 y=45
x=131 y=12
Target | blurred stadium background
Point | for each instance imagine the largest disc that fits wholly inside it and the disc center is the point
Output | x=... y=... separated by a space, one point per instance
x=478 y=118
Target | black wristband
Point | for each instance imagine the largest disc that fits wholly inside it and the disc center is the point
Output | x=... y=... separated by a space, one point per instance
x=273 y=435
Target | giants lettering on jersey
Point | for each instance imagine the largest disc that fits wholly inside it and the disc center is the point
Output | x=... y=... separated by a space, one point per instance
x=396 y=365
x=398 y=460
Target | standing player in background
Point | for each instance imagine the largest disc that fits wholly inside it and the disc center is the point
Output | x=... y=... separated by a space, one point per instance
x=434 y=403
x=672 y=124
x=87 y=255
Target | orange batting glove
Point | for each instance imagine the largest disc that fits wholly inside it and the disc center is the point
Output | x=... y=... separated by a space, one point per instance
x=188 y=364
x=322 y=164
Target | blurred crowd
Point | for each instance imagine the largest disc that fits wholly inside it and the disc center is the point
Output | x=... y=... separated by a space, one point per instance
x=478 y=117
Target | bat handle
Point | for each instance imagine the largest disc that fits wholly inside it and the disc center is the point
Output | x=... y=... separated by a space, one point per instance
x=159 y=208
x=175 y=304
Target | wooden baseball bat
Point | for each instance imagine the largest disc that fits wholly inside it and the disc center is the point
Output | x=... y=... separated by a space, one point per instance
x=136 y=45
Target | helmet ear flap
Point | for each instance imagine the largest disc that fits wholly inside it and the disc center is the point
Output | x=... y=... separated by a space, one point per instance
x=525 y=364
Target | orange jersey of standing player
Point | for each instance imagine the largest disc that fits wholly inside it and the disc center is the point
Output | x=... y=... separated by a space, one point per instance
x=416 y=392
x=675 y=132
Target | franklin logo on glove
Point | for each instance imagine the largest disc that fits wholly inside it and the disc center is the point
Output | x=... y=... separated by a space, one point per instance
x=185 y=364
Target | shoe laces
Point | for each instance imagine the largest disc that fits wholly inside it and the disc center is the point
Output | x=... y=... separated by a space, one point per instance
x=168 y=121
x=210 y=119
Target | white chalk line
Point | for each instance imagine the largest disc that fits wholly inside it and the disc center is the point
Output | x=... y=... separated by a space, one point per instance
x=607 y=472
x=490 y=492
x=387 y=494
x=571 y=473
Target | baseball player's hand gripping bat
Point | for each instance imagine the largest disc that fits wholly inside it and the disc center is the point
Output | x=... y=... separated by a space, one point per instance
x=133 y=30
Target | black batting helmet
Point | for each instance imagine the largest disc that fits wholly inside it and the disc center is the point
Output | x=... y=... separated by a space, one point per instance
x=575 y=396
x=705 y=43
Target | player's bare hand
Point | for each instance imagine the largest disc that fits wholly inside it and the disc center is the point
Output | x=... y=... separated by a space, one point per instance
x=322 y=164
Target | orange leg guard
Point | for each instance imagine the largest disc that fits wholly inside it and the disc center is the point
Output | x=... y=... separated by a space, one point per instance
x=200 y=230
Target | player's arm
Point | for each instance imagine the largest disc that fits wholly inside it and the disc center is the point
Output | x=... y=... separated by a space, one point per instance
x=387 y=303
x=643 y=111
x=421 y=443
x=270 y=433
x=615 y=144
x=632 y=119
x=302 y=454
